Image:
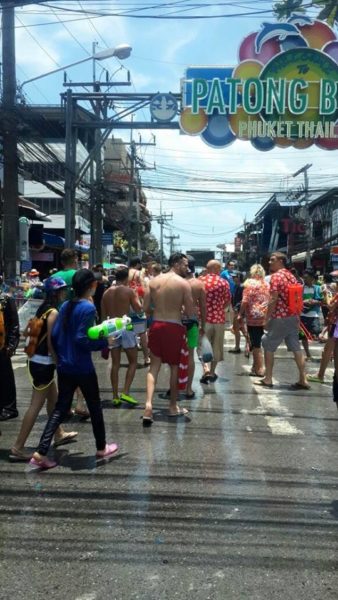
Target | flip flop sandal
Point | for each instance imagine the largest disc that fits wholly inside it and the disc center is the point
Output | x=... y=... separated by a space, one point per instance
x=299 y=386
x=262 y=383
x=128 y=399
x=44 y=463
x=66 y=438
x=315 y=379
x=109 y=450
x=82 y=412
x=182 y=413
x=147 y=421
x=19 y=455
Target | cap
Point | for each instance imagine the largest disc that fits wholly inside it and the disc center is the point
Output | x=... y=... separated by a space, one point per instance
x=33 y=272
x=52 y=284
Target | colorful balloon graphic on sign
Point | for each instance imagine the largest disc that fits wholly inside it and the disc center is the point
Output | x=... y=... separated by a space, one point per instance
x=283 y=92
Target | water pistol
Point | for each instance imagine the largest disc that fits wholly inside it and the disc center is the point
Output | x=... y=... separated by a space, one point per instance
x=109 y=328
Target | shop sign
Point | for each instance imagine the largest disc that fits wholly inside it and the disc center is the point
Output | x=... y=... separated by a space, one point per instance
x=44 y=256
x=237 y=244
x=282 y=93
x=291 y=226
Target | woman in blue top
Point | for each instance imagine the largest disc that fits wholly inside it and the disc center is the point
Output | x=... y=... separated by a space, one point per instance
x=75 y=367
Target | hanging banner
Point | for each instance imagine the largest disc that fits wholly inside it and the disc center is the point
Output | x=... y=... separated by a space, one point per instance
x=283 y=92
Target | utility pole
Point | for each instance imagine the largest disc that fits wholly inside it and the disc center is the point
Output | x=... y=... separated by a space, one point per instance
x=162 y=220
x=10 y=153
x=100 y=103
x=131 y=198
x=96 y=191
x=171 y=238
x=308 y=223
x=70 y=171
x=134 y=193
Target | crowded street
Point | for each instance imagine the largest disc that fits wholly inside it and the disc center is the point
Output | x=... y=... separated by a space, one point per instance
x=237 y=500
x=168 y=300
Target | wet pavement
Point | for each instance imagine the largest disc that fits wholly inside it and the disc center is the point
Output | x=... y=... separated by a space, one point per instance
x=238 y=500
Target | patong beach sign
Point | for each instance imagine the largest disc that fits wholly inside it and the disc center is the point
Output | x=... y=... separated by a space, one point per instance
x=283 y=92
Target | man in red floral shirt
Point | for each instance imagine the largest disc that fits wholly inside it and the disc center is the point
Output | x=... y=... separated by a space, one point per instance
x=281 y=324
x=218 y=297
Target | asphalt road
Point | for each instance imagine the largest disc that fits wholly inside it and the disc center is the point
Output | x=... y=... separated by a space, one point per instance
x=239 y=500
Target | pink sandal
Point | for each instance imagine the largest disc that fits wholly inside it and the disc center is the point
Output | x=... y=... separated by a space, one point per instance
x=108 y=451
x=44 y=463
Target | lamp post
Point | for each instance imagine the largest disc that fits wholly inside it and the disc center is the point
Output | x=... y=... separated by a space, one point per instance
x=121 y=51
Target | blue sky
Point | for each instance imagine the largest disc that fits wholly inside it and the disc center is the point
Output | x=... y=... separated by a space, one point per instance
x=162 y=49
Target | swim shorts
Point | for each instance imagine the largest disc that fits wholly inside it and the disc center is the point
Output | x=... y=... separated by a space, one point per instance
x=165 y=341
x=193 y=336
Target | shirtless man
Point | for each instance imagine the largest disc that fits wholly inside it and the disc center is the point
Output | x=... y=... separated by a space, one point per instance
x=193 y=331
x=139 y=321
x=165 y=298
x=117 y=301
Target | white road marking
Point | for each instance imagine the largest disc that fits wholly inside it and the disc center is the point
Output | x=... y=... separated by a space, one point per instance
x=277 y=422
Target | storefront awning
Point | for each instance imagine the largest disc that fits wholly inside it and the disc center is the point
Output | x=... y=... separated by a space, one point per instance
x=30 y=211
x=53 y=241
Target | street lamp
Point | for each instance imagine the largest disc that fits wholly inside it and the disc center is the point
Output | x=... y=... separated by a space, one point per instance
x=121 y=51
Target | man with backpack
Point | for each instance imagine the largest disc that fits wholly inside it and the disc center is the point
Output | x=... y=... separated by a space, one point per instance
x=282 y=322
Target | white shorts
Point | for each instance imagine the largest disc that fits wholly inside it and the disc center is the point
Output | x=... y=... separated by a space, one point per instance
x=127 y=339
x=140 y=327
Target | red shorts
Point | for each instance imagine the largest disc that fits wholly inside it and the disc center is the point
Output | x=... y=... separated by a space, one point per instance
x=165 y=341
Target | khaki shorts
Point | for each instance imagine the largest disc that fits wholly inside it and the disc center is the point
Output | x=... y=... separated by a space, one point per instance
x=215 y=335
x=279 y=330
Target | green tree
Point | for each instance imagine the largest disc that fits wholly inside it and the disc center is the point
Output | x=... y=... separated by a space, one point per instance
x=151 y=245
x=328 y=9
x=328 y=12
x=286 y=8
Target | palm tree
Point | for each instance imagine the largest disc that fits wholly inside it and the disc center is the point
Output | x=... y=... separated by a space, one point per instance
x=328 y=9
x=286 y=8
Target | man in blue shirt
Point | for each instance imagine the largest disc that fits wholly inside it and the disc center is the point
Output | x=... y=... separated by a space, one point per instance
x=312 y=299
x=227 y=274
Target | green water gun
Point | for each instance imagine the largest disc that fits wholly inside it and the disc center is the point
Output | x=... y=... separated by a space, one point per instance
x=109 y=328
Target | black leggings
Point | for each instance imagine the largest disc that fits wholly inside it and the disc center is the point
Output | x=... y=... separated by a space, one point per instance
x=7 y=389
x=335 y=388
x=88 y=385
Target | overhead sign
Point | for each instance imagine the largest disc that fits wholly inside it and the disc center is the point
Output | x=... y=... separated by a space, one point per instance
x=163 y=107
x=283 y=92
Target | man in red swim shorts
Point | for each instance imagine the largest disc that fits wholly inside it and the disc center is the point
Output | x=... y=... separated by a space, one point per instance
x=164 y=299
